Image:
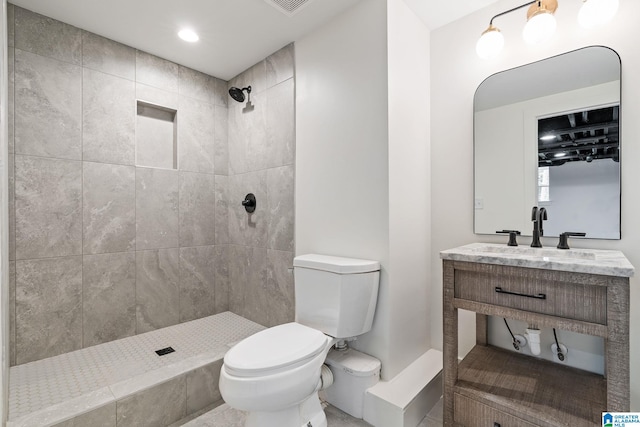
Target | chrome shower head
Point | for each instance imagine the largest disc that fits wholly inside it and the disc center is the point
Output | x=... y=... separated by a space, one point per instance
x=237 y=94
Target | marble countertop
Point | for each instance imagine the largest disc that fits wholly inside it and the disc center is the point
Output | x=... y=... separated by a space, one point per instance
x=590 y=261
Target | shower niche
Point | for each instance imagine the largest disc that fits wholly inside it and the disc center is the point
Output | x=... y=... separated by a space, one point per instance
x=156 y=136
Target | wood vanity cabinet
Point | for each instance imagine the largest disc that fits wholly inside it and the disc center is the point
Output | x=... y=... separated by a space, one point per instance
x=493 y=387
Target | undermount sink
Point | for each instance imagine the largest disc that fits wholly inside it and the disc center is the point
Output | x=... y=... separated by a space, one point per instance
x=592 y=261
x=537 y=252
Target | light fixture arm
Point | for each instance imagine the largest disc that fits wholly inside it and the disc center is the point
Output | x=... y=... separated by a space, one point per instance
x=541 y=24
x=513 y=10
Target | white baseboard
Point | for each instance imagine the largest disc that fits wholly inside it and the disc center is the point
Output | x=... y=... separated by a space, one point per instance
x=404 y=400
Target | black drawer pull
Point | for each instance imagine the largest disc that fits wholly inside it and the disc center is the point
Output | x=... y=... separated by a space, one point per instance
x=539 y=296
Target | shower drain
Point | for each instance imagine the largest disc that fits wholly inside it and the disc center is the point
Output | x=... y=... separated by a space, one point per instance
x=164 y=351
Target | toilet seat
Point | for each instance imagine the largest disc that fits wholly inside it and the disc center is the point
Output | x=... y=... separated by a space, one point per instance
x=274 y=350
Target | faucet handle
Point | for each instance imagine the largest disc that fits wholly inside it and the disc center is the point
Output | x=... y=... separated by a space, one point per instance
x=564 y=238
x=512 y=236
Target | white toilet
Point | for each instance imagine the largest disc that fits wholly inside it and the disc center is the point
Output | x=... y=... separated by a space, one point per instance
x=275 y=374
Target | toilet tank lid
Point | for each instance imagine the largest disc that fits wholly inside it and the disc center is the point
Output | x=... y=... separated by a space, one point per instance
x=336 y=264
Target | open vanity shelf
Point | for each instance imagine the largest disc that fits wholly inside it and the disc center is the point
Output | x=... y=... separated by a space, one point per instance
x=493 y=383
x=584 y=291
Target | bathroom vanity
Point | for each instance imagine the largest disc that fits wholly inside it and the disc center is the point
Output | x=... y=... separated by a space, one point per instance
x=583 y=291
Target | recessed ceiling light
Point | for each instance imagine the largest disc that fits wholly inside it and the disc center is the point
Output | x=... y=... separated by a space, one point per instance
x=188 y=35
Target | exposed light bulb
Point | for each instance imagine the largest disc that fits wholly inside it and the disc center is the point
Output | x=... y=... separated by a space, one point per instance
x=559 y=155
x=188 y=35
x=490 y=43
x=548 y=138
x=595 y=13
x=540 y=27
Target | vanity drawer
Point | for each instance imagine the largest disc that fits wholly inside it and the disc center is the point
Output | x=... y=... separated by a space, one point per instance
x=522 y=289
x=471 y=413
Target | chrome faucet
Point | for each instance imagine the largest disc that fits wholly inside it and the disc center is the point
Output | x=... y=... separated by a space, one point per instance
x=538 y=215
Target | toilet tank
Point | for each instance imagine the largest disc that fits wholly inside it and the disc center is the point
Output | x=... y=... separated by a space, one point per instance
x=336 y=295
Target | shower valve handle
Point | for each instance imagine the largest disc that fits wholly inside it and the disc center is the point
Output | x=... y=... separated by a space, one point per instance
x=249 y=203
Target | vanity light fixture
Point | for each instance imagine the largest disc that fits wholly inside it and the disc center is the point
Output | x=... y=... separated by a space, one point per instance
x=490 y=43
x=595 y=13
x=541 y=23
x=188 y=35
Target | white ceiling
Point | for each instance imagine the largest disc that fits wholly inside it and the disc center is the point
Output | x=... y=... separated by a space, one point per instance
x=436 y=13
x=234 y=34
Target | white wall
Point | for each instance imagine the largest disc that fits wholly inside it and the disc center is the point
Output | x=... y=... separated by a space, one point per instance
x=585 y=352
x=342 y=162
x=456 y=72
x=409 y=185
x=362 y=165
x=499 y=153
x=585 y=197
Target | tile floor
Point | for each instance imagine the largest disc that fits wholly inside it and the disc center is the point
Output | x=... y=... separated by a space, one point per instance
x=225 y=416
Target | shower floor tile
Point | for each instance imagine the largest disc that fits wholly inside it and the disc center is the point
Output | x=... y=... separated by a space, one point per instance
x=120 y=367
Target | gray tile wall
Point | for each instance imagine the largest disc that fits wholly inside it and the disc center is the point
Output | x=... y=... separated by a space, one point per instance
x=101 y=248
x=261 y=161
x=48 y=307
x=160 y=405
x=109 y=297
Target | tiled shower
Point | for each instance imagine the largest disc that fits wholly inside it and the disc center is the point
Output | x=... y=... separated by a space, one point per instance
x=120 y=227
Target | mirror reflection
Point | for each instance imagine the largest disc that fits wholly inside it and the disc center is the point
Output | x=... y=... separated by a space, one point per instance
x=547 y=134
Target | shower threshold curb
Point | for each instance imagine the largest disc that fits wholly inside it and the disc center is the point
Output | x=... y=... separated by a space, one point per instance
x=115 y=392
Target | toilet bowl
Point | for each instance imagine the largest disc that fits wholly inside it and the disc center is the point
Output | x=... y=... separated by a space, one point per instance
x=276 y=369
x=275 y=375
